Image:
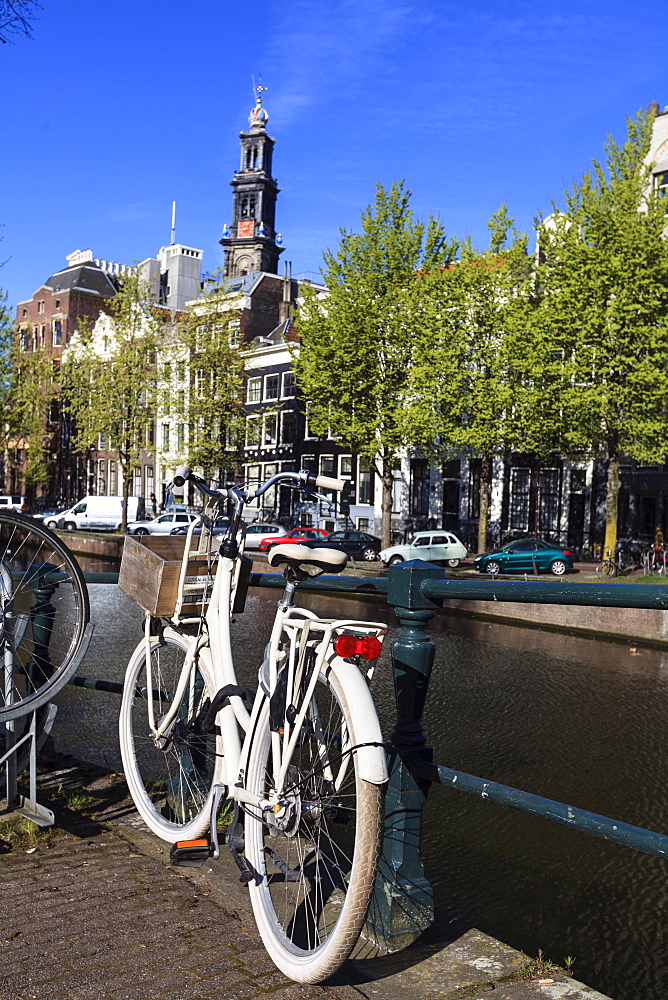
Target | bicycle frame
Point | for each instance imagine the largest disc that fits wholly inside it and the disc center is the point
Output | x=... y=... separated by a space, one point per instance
x=305 y=632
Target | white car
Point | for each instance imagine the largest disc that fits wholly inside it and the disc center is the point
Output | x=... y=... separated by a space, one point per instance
x=432 y=546
x=256 y=532
x=161 y=525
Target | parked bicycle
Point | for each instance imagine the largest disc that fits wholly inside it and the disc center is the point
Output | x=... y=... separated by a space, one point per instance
x=618 y=563
x=301 y=761
x=654 y=561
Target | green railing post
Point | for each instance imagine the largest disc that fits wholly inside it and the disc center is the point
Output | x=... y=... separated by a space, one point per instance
x=403 y=903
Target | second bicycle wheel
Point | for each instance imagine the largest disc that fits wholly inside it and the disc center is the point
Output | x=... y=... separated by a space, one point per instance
x=44 y=615
x=316 y=862
x=170 y=777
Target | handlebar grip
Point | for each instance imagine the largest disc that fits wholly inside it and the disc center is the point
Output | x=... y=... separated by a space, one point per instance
x=326 y=483
x=181 y=475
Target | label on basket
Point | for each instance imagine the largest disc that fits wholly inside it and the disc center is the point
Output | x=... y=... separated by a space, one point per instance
x=202 y=580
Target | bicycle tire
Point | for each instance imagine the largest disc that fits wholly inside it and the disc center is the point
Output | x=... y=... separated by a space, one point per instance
x=314 y=884
x=171 y=784
x=44 y=615
x=607 y=568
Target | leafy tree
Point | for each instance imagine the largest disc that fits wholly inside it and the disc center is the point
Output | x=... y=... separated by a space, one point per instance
x=202 y=383
x=604 y=312
x=28 y=387
x=110 y=381
x=356 y=351
x=470 y=391
x=34 y=388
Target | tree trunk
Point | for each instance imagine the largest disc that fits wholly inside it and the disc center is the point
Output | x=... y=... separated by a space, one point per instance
x=485 y=494
x=127 y=483
x=611 y=506
x=386 y=505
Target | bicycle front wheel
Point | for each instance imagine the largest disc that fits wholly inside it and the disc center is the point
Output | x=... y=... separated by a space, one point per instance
x=315 y=864
x=170 y=777
x=44 y=615
x=607 y=568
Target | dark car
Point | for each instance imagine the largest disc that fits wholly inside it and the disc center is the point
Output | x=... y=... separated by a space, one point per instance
x=219 y=528
x=356 y=544
x=528 y=555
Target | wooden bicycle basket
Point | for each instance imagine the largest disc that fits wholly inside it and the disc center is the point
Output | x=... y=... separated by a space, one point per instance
x=151 y=571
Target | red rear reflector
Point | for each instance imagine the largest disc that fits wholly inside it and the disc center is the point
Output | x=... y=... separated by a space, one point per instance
x=349 y=645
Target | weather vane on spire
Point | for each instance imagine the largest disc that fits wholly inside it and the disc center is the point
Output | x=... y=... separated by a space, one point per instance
x=258 y=117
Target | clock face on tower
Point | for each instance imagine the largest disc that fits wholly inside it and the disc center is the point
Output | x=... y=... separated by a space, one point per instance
x=246 y=228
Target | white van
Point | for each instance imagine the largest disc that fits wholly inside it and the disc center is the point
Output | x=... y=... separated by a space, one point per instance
x=98 y=514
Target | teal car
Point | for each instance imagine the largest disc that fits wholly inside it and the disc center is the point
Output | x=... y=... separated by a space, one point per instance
x=529 y=555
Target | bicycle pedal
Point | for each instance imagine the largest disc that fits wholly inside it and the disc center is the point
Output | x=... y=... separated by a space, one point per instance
x=190 y=853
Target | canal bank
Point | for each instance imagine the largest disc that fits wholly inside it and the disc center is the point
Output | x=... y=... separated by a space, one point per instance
x=93 y=909
x=97 y=552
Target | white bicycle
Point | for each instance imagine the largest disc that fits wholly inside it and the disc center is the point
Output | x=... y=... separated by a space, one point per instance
x=301 y=761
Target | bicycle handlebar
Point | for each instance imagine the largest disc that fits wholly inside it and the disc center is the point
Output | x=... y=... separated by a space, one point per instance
x=304 y=478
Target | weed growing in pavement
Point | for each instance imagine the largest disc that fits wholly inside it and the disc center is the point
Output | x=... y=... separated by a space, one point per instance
x=19 y=832
x=542 y=968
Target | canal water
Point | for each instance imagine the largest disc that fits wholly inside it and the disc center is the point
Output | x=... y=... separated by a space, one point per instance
x=574 y=719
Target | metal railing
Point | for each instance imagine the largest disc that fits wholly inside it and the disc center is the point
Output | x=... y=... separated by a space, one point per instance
x=404 y=902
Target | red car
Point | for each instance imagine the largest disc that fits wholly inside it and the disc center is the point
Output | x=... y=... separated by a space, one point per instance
x=296 y=535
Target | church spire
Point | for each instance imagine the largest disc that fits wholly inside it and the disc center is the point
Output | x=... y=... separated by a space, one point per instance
x=251 y=242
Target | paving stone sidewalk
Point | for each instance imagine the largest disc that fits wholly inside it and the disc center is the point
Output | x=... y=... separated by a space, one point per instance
x=93 y=910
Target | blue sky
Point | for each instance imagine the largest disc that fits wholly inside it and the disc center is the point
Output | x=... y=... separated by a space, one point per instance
x=111 y=111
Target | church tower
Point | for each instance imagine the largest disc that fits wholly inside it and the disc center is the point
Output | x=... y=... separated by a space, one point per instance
x=251 y=242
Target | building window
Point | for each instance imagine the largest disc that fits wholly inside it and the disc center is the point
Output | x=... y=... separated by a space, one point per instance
x=308 y=433
x=305 y=520
x=180 y=436
x=252 y=432
x=234 y=332
x=271 y=384
x=309 y=463
x=165 y=437
x=345 y=466
x=252 y=476
x=364 y=492
x=25 y=340
x=520 y=495
x=363 y=523
x=287 y=427
x=549 y=500
x=270 y=431
x=254 y=390
x=40 y=306
x=57 y=332
x=419 y=487
x=326 y=465
x=289 y=385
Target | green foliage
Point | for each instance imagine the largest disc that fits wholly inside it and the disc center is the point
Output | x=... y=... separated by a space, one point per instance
x=604 y=312
x=470 y=386
x=33 y=386
x=357 y=345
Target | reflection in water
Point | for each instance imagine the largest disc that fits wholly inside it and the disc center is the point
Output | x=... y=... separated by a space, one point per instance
x=569 y=718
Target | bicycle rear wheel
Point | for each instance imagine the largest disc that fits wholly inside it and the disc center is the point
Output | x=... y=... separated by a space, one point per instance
x=170 y=778
x=44 y=615
x=316 y=873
